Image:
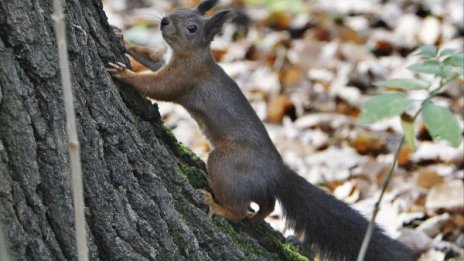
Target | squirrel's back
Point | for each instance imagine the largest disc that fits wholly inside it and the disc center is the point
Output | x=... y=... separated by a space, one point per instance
x=222 y=111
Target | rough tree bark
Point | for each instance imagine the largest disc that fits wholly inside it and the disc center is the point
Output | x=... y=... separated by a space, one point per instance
x=141 y=202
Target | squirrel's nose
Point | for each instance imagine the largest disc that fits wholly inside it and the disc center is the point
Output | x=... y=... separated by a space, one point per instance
x=164 y=21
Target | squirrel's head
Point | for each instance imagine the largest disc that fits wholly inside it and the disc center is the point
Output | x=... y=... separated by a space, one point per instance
x=187 y=30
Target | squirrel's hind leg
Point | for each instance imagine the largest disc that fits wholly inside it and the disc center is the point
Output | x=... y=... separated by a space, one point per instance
x=265 y=208
x=233 y=214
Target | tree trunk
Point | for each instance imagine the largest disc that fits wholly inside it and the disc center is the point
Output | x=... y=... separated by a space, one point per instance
x=140 y=184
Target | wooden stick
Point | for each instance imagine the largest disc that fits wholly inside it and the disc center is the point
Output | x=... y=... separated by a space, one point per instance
x=3 y=246
x=73 y=142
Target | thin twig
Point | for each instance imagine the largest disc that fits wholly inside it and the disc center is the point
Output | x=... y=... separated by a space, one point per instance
x=3 y=246
x=370 y=228
x=73 y=146
x=82 y=30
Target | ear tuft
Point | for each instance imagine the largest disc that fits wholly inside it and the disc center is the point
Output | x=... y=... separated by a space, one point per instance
x=206 y=5
x=215 y=23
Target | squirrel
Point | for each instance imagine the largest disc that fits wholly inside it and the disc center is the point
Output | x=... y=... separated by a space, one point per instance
x=244 y=165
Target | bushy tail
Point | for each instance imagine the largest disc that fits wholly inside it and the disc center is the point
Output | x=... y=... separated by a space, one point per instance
x=330 y=226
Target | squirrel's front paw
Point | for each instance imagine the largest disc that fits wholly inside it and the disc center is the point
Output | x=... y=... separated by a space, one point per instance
x=119 y=70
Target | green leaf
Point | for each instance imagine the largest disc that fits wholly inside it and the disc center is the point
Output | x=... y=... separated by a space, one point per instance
x=407 y=124
x=407 y=84
x=427 y=51
x=384 y=106
x=442 y=124
x=455 y=60
x=429 y=67
x=447 y=52
x=294 y=6
x=433 y=67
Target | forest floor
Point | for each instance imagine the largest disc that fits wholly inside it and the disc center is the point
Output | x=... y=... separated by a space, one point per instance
x=306 y=67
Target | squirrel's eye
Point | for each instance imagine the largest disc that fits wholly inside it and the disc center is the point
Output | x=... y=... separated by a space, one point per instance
x=192 y=28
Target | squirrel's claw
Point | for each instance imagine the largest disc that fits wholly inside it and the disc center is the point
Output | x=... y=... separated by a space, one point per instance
x=117 y=69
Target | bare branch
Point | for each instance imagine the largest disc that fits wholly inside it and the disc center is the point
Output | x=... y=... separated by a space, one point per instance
x=370 y=228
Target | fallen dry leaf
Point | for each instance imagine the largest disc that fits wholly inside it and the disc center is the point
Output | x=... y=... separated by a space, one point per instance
x=448 y=196
x=347 y=192
x=432 y=255
x=291 y=75
x=368 y=143
x=347 y=34
x=418 y=241
x=432 y=226
x=278 y=107
x=454 y=227
x=427 y=178
x=403 y=157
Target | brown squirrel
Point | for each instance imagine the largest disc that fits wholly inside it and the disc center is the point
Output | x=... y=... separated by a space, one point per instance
x=244 y=166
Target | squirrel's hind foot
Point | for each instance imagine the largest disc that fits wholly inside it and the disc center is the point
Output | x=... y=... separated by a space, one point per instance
x=231 y=214
x=208 y=199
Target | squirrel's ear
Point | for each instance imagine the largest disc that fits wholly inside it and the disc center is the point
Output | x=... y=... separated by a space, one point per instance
x=214 y=24
x=205 y=6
